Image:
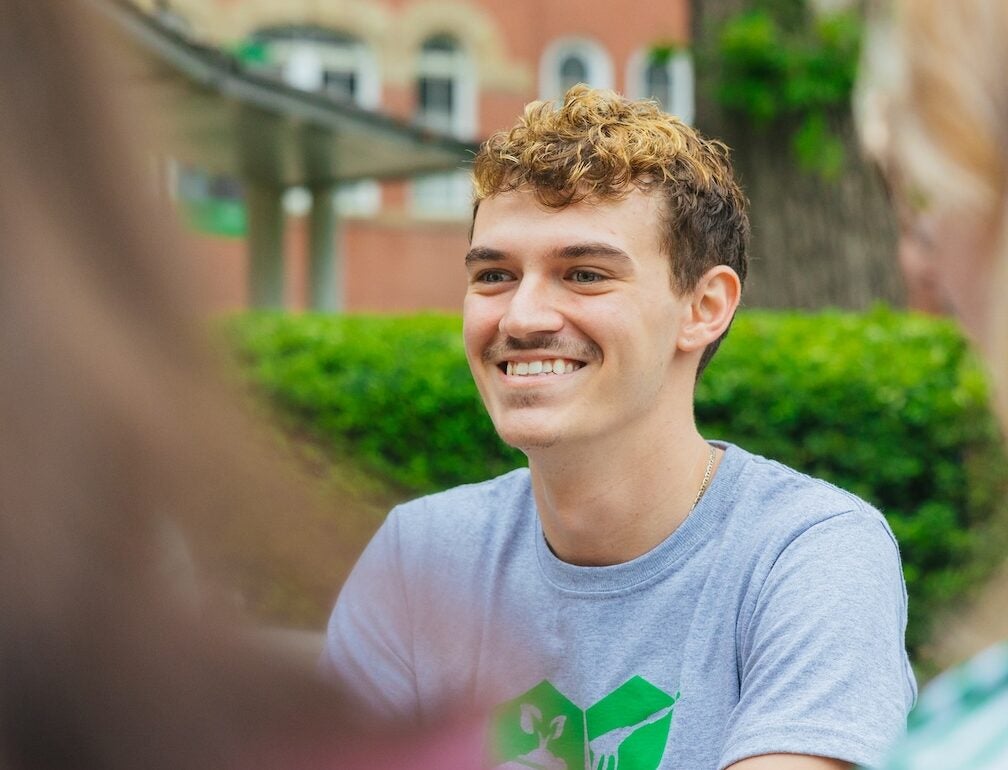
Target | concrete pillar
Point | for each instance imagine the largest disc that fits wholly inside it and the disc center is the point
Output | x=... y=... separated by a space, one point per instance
x=325 y=264
x=264 y=204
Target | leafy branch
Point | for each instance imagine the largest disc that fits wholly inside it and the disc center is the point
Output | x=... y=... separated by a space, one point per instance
x=777 y=61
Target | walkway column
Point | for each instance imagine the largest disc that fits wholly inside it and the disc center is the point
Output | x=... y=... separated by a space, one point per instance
x=264 y=204
x=325 y=263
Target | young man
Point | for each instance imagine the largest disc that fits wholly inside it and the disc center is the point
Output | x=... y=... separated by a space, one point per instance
x=638 y=597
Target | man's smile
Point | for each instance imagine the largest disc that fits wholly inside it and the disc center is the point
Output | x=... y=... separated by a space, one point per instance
x=540 y=355
x=539 y=367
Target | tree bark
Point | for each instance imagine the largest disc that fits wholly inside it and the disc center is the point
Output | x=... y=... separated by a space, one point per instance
x=815 y=243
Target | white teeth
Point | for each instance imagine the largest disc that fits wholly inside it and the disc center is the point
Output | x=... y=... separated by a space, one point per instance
x=548 y=366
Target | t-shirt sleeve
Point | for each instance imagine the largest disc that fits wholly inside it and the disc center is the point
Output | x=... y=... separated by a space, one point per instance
x=822 y=662
x=368 y=645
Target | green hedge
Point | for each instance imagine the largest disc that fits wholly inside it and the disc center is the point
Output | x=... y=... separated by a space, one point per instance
x=395 y=390
x=888 y=405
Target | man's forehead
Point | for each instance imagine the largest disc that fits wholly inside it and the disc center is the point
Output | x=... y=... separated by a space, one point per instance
x=520 y=215
x=556 y=198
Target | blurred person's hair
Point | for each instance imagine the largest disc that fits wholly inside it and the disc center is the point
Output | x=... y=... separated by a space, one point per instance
x=597 y=146
x=932 y=110
x=113 y=420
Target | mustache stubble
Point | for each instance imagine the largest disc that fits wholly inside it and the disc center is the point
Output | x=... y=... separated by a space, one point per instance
x=579 y=350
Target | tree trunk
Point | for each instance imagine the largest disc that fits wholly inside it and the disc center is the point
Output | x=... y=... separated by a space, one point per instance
x=815 y=243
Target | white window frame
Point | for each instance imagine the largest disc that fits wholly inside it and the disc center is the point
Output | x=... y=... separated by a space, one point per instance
x=596 y=58
x=457 y=66
x=679 y=69
x=447 y=195
x=327 y=49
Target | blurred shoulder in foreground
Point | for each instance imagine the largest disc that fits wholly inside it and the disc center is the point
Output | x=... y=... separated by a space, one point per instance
x=117 y=435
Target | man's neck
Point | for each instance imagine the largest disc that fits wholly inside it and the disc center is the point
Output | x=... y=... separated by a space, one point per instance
x=610 y=503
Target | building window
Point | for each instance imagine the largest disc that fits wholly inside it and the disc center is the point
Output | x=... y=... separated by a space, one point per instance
x=333 y=63
x=446 y=98
x=569 y=61
x=314 y=59
x=341 y=83
x=445 y=103
x=665 y=77
x=658 y=82
x=573 y=70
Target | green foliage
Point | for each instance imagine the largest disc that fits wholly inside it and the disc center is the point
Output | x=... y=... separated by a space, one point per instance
x=662 y=53
x=395 y=390
x=888 y=405
x=778 y=61
x=818 y=148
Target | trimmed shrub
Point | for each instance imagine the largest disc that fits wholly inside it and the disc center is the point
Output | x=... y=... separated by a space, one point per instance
x=888 y=405
x=395 y=390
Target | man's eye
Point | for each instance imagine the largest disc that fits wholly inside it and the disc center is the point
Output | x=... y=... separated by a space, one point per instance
x=586 y=276
x=492 y=276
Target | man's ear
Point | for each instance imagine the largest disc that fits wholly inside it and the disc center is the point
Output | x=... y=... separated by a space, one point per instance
x=711 y=308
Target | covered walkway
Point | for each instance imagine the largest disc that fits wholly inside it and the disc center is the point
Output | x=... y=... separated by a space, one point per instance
x=229 y=120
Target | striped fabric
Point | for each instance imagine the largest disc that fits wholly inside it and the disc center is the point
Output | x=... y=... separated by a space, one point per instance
x=961 y=721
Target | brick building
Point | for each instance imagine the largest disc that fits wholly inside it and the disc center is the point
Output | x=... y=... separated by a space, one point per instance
x=461 y=68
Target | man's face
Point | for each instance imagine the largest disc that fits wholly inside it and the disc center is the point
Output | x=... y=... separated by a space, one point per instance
x=570 y=320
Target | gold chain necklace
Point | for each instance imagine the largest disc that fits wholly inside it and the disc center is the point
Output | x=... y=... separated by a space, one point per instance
x=706 y=478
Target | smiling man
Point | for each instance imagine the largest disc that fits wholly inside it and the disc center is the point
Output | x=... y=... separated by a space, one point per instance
x=639 y=597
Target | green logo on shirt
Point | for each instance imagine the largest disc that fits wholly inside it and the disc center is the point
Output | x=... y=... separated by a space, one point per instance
x=544 y=730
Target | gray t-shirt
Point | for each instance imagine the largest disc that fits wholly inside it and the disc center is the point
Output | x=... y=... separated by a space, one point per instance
x=772 y=620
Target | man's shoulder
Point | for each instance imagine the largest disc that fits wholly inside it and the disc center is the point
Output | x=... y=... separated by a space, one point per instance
x=773 y=493
x=504 y=488
x=468 y=508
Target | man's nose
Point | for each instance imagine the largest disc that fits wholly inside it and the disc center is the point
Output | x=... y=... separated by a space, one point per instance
x=533 y=309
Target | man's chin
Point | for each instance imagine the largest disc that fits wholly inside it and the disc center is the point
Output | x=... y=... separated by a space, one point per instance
x=536 y=444
x=526 y=440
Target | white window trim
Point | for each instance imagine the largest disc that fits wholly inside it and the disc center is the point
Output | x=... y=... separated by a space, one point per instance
x=368 y=76
x=457 y=66
x=600 y=67
x=448 y=195
x=356 y=56
x=680 y=72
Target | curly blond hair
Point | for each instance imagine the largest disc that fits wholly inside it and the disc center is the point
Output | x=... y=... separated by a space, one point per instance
x=599 y=145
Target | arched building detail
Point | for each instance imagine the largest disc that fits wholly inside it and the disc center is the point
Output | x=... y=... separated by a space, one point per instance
x=473 y=28
x=221 y=23
x=677 y=71
x=591 y=55
x=417 y=225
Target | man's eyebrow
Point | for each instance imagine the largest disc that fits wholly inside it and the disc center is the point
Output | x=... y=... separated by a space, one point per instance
x=573 y=251
x=483 y=254
x=592 y=249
